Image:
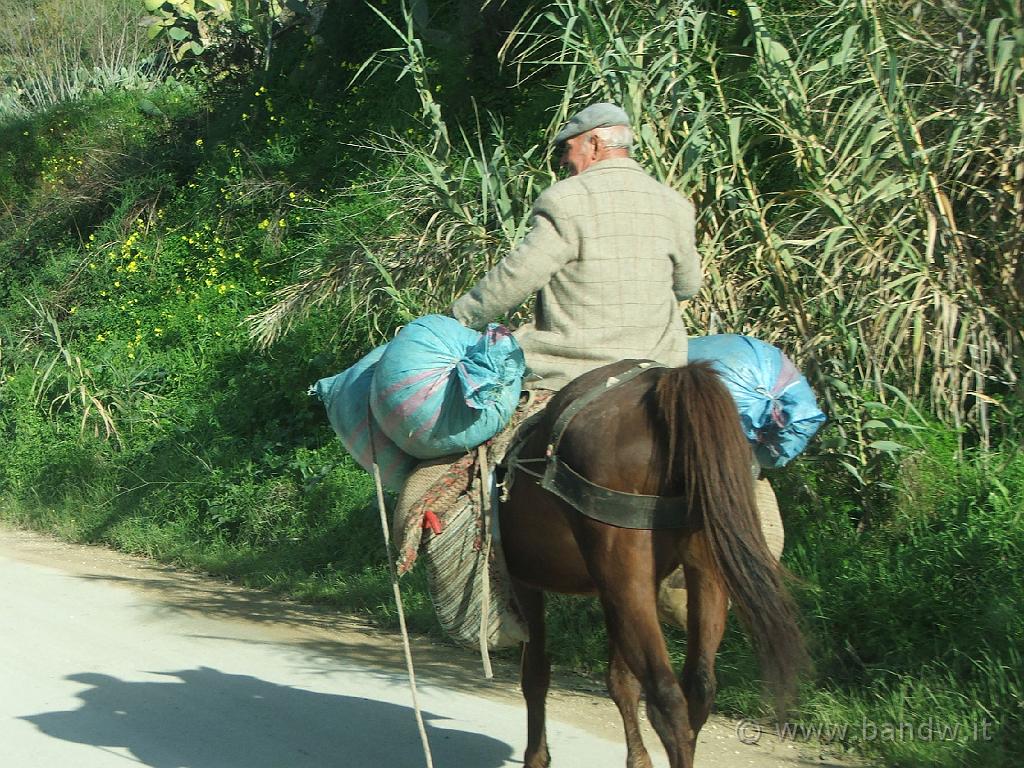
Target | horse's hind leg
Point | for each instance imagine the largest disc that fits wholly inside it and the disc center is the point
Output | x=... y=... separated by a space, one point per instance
x=628 y=590
x=625 y=692
x=635 y=630
x=707 y=606
x=535 y=677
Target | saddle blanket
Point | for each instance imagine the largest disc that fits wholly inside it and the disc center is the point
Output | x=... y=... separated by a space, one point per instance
x=440 y=512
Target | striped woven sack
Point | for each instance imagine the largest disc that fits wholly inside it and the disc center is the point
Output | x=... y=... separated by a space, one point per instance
x=442 y=388
x=777 y=407
x=439 y=516
x=346 y=397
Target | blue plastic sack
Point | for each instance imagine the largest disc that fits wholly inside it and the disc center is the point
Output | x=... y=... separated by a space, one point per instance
x=346 y=397
x=777 y=406
x=442 y=388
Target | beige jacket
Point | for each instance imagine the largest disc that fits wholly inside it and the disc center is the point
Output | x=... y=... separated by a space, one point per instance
x=609 y=253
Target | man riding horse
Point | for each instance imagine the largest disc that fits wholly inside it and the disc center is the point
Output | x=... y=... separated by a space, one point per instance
x=609 y=253
x=647 y=468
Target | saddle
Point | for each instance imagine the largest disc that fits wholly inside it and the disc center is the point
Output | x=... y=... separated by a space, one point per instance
x=618 y=508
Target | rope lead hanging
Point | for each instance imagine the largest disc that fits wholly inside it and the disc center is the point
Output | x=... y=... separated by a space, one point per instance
x=485 y=587
x=401 y=611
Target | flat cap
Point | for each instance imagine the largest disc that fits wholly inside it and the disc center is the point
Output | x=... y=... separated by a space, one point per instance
x=599 y=115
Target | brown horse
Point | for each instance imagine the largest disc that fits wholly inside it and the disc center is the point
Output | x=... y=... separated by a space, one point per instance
x=667 y=432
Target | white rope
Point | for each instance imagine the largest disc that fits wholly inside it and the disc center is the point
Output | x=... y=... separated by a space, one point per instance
x=401 y=614
x=519 y=465
x=485 y=591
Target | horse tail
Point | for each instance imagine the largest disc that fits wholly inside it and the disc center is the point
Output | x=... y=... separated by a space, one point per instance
x=709 y=457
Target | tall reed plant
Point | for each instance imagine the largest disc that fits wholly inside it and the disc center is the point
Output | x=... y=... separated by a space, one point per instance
x=859 y=172
x=54 y=51
x=857 y=181
x=457 y=198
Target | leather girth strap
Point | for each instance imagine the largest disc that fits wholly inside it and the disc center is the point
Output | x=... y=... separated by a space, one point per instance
x=618 y=508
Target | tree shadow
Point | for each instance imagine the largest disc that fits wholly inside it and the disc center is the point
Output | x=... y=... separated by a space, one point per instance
x=204 y=718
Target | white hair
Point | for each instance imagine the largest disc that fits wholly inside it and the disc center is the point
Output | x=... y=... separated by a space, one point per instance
x=615 y=136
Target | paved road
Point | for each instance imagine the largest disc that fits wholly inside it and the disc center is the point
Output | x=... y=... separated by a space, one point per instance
x=110 y=661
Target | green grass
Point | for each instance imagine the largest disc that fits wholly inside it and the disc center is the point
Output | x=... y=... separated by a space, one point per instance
x=138 y=232
x=55 y=51
x=918 y=617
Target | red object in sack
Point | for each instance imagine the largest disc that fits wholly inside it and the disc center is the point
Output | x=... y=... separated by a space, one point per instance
x=430 y=521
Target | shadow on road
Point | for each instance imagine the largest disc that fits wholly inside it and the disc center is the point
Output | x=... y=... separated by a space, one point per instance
x=325 y=633
x=203 y=718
